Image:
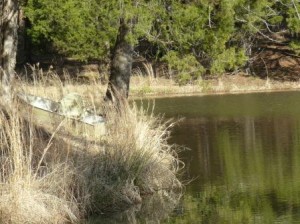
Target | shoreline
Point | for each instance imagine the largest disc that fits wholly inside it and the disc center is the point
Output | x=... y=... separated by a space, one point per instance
x=134 y=97
x=226 y=85
x=149 y=87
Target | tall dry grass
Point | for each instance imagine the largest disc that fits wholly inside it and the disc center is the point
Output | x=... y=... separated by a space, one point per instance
x=136 y=159
x=49 y=178
x=36 y=181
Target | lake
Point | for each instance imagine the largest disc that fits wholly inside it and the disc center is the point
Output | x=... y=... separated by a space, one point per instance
x=242 y=159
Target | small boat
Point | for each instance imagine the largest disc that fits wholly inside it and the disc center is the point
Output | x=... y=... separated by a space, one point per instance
x=69 y=115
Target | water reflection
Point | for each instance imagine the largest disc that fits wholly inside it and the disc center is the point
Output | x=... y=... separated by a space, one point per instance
x=247 y=165
x=154 y=209
x=244 y=159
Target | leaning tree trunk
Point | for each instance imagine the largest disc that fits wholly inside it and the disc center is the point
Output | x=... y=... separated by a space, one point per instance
x=8 y=44
x=121 y=65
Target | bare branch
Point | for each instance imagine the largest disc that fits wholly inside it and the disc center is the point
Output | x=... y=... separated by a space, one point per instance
x=264 y=35
x=294 y=4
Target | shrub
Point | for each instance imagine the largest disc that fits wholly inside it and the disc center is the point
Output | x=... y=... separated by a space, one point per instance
x=186 y=67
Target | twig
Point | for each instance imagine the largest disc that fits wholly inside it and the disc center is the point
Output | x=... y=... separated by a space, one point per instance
x=294 y=4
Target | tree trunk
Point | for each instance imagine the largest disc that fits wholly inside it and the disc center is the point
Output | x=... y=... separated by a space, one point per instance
x=8 y=44
x=121 y=65
x=24 y=42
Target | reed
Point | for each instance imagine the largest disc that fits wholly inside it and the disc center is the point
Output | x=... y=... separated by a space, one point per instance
x=35 y=187
x=144 y=83
x=136 y=160
x=47 y=177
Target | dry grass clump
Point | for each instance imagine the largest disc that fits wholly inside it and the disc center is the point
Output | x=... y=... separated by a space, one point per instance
x=48 y=84
x=33 y=188
x=50 y=177
x=45 y=178
x=136 y=159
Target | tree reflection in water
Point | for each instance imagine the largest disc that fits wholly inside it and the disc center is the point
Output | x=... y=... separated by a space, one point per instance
x=245 y=155
x=248 y=170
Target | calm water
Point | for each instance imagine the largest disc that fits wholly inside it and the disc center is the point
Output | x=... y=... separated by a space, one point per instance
x=244 y=159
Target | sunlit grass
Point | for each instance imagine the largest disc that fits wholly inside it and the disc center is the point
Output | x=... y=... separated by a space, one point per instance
x=144 y=83
x=48 y=177
x=37 y=181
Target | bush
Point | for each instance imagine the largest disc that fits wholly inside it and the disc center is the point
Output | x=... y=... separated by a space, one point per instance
x=186 y=67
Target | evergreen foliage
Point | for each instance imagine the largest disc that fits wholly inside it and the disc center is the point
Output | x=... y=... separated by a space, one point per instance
x=194 y=37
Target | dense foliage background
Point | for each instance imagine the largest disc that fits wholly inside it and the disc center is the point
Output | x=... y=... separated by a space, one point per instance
x=194 y=37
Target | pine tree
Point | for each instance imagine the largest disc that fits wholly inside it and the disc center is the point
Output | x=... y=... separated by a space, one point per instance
x=93 y=29
x=193 y=37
